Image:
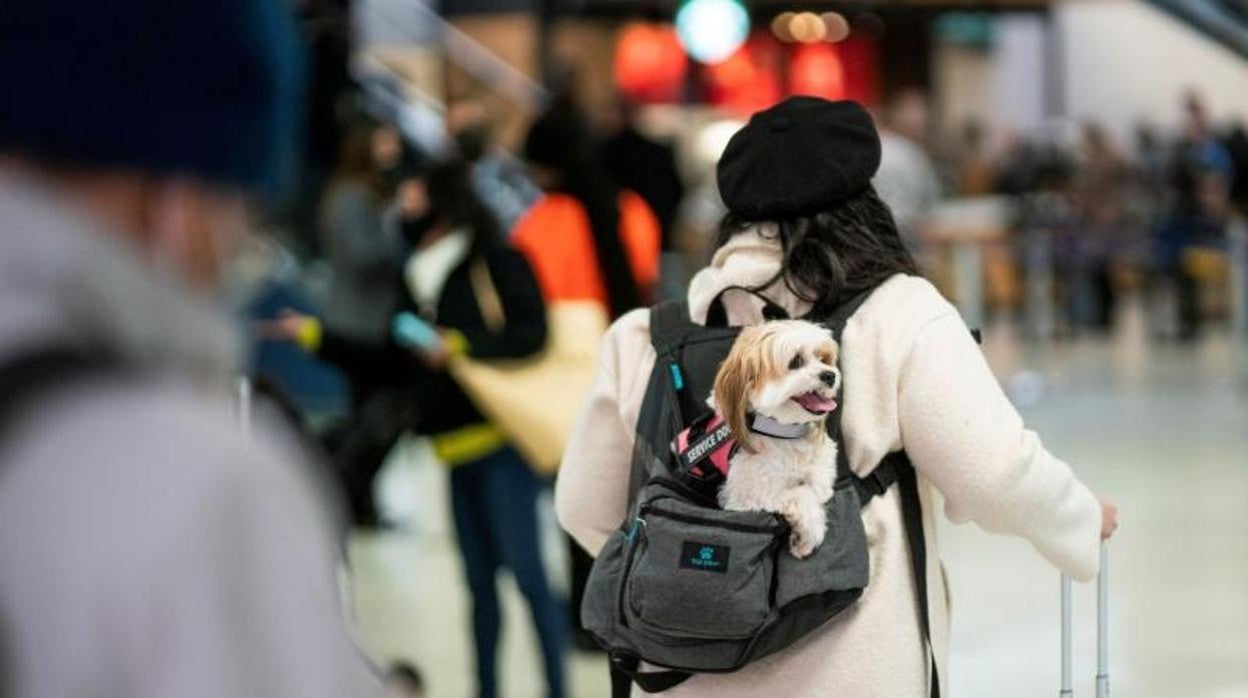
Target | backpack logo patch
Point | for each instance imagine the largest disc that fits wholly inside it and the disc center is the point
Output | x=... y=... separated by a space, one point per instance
x=704 y=556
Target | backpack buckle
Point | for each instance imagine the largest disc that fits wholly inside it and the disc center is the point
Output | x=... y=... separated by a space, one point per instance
x=878 y=481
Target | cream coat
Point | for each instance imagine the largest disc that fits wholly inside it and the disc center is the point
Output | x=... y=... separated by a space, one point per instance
x=913 y=378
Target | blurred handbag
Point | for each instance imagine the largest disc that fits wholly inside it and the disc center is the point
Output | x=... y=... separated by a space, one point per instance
x=534 y=400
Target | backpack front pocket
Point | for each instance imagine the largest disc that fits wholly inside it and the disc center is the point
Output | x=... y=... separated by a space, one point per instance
x=701 y=573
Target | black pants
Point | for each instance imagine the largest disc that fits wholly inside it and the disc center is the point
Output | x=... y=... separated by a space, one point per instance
x=360 y=447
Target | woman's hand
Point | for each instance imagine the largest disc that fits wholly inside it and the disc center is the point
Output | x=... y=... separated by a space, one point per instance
x=1109 y=519
x=286 y=326
x=434 y=359
x=452 y=343
x=290 y=326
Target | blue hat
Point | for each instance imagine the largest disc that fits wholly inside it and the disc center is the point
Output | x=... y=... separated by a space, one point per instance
x=210 y=88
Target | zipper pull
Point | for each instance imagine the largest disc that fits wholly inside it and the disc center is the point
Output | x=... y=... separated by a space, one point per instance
x=632 y=530
x=678 y=379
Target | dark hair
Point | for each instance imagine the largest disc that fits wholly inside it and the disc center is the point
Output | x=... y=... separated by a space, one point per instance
x=354 y=162
x=559 y=139
x=832 y=256
x=451 y=195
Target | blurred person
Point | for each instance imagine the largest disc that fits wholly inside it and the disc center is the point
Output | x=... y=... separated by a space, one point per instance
x=1100 y=190
x=802 y=246
x=1150 y=190
x=404 y=681
x=393 y=159
x=640 y=164
x=1236 y=145
x=326 y=28
x=586 y=240
x=361 y=251
x=1189 y=247
x=1201 y=172
x=499 y=179
x=493 y=491
x=1150 y=160
x=973 y=169
x=1199 y=149
x=907 y=179
x=150 y=549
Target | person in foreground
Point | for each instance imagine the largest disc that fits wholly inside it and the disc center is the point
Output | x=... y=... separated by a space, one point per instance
x=149 y=549
x=806 y=232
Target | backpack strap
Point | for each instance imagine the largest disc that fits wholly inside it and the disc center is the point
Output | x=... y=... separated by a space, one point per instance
x=897 y=469
x=669 y=322
x=840 y=316
x=912 y=516
x=836 y=325
x=40 y=372
x=669 y=328
x=626 y=670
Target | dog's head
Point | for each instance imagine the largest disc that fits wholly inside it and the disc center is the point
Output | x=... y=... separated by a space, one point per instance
x=785 y=370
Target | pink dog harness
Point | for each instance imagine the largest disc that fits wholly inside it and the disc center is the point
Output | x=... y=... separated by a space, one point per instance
x=705 y=448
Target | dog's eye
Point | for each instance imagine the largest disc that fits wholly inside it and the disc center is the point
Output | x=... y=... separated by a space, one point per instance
x=797 y=363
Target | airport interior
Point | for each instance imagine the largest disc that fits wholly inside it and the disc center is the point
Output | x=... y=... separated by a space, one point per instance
x=1069 y=178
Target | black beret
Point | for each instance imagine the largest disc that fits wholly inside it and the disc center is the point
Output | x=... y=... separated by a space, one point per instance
x=797 y=158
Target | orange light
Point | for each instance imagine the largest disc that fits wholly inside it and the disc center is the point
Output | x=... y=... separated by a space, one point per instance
x=650 y=64
x=817 y=70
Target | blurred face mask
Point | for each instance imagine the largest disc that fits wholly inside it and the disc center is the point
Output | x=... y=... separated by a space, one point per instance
x=471 y=143
x=415 y=229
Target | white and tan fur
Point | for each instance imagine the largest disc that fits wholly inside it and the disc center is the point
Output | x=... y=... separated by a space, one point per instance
x=769 y=366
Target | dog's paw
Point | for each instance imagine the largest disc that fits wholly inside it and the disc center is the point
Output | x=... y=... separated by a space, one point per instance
x=801 y=544
x=804 y=541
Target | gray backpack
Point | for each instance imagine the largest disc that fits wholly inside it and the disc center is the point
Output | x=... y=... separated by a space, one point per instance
x=691 y=588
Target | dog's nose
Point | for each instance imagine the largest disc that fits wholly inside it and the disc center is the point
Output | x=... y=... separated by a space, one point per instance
x=828 y=378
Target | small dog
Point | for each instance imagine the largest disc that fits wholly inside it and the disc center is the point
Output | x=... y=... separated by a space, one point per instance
x=775 y=389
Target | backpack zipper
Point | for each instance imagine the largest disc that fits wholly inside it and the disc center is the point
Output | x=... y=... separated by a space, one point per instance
x=730 y=525
x=632 y=537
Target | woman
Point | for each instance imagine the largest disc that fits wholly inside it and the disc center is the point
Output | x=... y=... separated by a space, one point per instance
x=360 y=250
x=806 y=231
x=587 y=240
x=493 y=491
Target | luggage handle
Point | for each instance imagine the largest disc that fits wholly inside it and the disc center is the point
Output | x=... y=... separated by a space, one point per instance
x=242 y=405
x=1102 y=630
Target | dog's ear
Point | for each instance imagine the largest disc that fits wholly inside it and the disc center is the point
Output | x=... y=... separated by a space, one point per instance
x=733 y=383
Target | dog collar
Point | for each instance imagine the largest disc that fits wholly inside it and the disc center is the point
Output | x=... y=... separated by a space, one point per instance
x=770 y=427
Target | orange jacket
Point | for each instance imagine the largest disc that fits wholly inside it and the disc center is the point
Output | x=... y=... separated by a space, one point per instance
x=556 y=238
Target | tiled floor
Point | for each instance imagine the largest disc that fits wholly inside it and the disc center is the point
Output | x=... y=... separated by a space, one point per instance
x=1163 y=430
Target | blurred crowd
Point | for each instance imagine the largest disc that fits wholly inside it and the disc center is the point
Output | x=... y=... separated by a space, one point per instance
x=413 y=257
x=1084 y=220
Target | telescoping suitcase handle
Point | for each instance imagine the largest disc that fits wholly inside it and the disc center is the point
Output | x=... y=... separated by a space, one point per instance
x=242 y=404
x=1102 y=630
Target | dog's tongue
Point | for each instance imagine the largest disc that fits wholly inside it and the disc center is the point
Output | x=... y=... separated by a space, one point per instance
x=815 y=402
